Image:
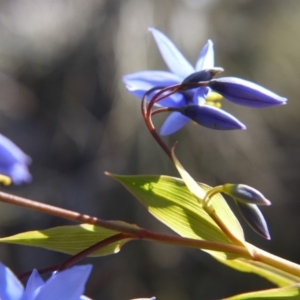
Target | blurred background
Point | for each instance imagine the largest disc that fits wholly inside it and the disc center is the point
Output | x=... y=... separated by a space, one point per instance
x=63 y=102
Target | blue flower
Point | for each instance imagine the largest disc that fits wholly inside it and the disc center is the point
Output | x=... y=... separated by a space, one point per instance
x=13 y=161
x=181 y=70
x=68 y=285
x=243 y=92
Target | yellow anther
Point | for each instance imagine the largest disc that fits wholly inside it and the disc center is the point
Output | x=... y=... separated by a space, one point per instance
x=5 y=180
x=215 y=104
x=213 y=99
x=213 y=96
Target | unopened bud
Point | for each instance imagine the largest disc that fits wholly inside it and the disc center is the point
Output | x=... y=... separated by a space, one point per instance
x=245 y=193
x=203 y=75
x=254 y=218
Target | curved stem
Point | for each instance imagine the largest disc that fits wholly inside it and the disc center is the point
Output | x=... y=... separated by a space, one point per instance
x=160 y=95
x=146 y=112
x=164 y=109
x=215 y=190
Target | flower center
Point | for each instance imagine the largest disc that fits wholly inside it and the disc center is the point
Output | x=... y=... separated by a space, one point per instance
x=213 y=99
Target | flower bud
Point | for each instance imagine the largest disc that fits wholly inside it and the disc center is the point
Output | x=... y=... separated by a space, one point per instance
x=212 y=117
x=245 y=193
x=254 y=218
x=243 y=92
x=203 y=75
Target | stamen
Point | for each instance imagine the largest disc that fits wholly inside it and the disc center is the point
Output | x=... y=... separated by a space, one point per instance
x=5 y=180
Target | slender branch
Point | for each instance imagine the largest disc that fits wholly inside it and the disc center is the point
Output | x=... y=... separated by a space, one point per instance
x=146 y=112
x=159 y=96
x=163 y=93
x=164 y=109
x=76 y=258
x=41 y=271
x=143 y=234
x=86 y=252
x=132 y=230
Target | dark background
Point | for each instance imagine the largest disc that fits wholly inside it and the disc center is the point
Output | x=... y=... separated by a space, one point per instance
x=63 y=102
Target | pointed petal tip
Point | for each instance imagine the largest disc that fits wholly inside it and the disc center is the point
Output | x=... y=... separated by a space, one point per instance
x=267 y=202
x=266 y=235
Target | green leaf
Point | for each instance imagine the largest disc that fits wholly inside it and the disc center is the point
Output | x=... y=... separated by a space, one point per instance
x=68 y=239
x=169 y=200
x=289 y=292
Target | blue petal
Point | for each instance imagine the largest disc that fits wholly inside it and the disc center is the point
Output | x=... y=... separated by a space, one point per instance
x=10 y=153
x=13 y=161
x=67 y=285
x=199 y=95
x=212 y=117
x=206 y=58
x=10 y=287
x=245 y=93
x=173 y=123
x=34 y=282
x=171 y=55
x=156 y=78
x=18 y=173
x=140 y=82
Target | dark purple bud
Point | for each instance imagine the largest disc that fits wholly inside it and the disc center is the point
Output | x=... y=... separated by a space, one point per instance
x=245 y=193
x=212 y=117
x=254 y=218
x=245 y=93
x=203 y=75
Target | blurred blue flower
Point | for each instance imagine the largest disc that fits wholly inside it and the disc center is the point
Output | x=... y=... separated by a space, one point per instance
x=68 y=285
x=13 y=161
x=181 y=70
x=243 y=92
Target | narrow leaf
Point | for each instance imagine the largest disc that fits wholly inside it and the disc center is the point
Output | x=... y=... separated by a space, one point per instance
x=289 y=292
x=170 y=201
x=67 y=239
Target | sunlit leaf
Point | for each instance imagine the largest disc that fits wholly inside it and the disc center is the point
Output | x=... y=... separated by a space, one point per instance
x=289 y=292
x=199 y=193
x=67 y=239
x=169 y=200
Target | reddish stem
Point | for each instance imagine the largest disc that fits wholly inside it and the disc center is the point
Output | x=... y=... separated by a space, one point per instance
x=79 y=256
x=147 y=112
x=86 y=252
